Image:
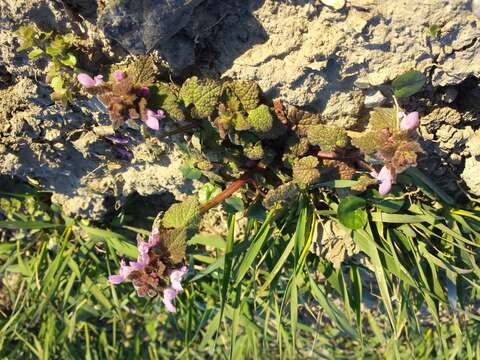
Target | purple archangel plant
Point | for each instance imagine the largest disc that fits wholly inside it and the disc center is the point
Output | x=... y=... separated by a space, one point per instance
x=126 y=93
x=240 y=140
x=154 y=272
x=391 y=138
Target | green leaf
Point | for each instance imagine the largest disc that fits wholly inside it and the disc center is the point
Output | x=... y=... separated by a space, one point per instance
x=328 y=137
x=36 y=52
x=163 y=96
x=25 y=45
x=57 y=83
x=387 y=205
x=214 y=240
x=208 y=192
x=260 y=119
x=70 y=60
x=53 y=50
x=26 y=32
x=203 y=94
x=285 y=194
x=190 y=172
x=351 y=212
x=305 y=171
x=182 y=214
x=256 y=244
x=175 y=242
x=234 y=204
x=247 y=92
x=434 y=30
x=408 y=83
x=116 y=241
x=142 y=70
x=334 y=313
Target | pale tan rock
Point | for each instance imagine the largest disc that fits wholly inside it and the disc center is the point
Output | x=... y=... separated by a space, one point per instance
x=336 y=4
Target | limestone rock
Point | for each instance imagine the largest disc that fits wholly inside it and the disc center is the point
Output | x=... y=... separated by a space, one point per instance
x=312 y=54
x=471 y=174
x=139 y=25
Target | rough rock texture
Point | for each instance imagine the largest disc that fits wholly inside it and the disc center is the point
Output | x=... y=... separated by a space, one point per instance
x=471 y=174
x=314 y=55
x=139 y=25
x=449 y=136
x=62 y=151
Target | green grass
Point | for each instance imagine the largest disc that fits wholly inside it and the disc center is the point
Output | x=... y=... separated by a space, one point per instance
x=258 y=293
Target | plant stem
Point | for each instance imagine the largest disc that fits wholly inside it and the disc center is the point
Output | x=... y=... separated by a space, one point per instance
x=332 y=155
x=229 y=191
x=180 y=130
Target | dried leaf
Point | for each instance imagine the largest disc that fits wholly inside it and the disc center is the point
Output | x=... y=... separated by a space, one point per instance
x=336 y=243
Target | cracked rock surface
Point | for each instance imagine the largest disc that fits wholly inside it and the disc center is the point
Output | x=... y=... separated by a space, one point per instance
x=313 y=55
x=63 y=150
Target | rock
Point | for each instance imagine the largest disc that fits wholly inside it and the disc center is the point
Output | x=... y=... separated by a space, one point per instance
x=308 y=56
x=140 y=26
x=473 y=144
x=476 y=7
x=63 y=150
x=336 y=4
x=374 y=99
x=471 y=174
x=305 y=53
x=447 y=95
x=448 y=130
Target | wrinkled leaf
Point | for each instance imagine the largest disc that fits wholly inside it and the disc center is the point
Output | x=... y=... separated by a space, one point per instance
x=181 y=214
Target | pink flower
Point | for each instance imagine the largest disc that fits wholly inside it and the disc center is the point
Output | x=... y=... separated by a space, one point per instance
x=119 y=75
x=152 y=118
x=176 y=278
x=142 y=262
x=410 y=121
x=154 y=237
x=88 y=82
x=169 y=294
x=122 y=276
x=385 y=177
x=143 y=250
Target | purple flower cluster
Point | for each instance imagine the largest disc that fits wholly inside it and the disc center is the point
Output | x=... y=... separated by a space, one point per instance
x=385 y=176
x=145 y=276
x=150 y=117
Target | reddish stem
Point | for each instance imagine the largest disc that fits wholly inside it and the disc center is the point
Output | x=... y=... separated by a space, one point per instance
x=180 y=130
x=229 y=191
x=332 y=155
